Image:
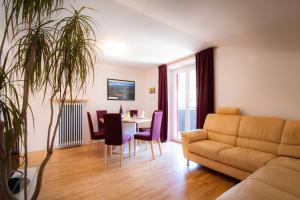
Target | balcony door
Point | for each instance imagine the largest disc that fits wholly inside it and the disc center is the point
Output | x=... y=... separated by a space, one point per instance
x=184 y=101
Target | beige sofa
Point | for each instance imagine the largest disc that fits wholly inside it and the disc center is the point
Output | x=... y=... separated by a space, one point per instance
x=264 y=152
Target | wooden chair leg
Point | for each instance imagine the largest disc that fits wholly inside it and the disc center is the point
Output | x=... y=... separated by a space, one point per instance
x=151 y=145
x=159 y=147
x=105 y=154
x=111 y=151
x=90 y=147
x=134 y=144
x=129 y=148
x=121 y=155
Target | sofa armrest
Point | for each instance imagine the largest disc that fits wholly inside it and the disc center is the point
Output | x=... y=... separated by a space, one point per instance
x=191 y=136
x=194 y=135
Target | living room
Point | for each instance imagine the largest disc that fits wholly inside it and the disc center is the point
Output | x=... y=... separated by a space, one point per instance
x=186 y=81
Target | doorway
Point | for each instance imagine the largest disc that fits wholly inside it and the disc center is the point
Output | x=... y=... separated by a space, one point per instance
x=183 y=101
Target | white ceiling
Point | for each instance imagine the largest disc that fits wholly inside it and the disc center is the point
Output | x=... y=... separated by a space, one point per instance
x=160 y=31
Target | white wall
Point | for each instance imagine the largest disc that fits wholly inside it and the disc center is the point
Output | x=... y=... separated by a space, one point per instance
x=37 y=129
x=151 y=80
x=260 y=82
x=96 y=94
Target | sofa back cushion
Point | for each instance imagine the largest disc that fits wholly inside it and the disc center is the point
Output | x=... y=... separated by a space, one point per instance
x=290 y=139
x=222 y=128
x=260 y=133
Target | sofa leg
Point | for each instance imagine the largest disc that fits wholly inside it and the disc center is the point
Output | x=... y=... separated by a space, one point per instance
x=187 y=162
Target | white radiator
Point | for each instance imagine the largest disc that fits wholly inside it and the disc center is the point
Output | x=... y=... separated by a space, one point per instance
x=70 y=125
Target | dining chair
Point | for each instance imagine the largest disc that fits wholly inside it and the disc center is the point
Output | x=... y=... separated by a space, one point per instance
x=153 y=134
x=143 y=129
x=114 y=134
x=100 y=118
x=95 y=135
x=133 y=112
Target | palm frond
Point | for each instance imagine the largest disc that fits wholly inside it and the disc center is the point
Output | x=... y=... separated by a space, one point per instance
x=75 y=55
x=25 y=10
x=9 y=108
x=33 y=52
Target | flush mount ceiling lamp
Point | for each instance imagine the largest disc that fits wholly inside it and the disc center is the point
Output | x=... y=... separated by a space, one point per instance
x=114 y=48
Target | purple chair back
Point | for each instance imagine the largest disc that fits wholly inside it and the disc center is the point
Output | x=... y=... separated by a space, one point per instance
x=113 y=129
x=91 y=127
x=156 y=125
x=133 y=112
x=100 y=116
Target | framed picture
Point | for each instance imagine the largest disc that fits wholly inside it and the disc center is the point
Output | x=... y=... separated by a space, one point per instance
x=120 y=90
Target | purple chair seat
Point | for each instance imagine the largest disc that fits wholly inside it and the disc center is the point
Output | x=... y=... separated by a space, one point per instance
x=126 y=138
x=145 y=135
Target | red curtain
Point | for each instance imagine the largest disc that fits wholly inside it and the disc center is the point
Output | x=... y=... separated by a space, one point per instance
x=204 y=84
x=163 y=100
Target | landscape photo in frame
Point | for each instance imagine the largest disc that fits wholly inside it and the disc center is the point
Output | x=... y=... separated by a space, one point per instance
x=120 y=90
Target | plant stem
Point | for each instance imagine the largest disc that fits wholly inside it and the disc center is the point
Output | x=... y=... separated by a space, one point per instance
x=8 y=160
x=4 y=189
x=49 y=148
x=24 y=114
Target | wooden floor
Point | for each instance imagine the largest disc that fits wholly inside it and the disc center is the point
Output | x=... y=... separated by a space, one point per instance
x=73 y=174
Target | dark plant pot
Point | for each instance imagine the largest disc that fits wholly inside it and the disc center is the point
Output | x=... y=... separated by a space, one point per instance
x=14 y=184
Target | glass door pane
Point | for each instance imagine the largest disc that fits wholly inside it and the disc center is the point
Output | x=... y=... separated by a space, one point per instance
x=181 y=94
x=192 y=99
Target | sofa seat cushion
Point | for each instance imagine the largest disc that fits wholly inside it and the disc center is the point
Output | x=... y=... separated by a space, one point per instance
x=291 y=163
x=208 y=148
x=245 y=159
x=285 y=179
x=251 y=189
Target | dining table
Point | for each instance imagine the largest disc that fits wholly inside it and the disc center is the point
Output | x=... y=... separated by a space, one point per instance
x=130 y=125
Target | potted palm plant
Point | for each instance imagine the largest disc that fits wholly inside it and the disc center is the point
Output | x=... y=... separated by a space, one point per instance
x=39 y=52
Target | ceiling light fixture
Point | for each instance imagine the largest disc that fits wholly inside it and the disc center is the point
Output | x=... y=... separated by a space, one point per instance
x=113 y=48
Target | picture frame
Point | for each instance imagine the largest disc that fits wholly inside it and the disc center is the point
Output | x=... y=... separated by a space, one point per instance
x=118 y=89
